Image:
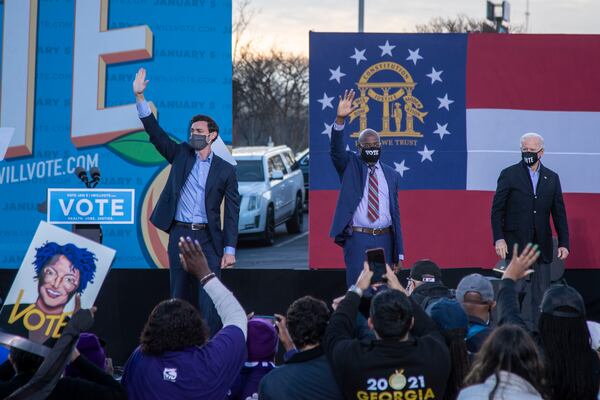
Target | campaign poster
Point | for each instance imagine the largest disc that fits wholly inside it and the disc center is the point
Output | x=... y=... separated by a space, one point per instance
x=57 y=266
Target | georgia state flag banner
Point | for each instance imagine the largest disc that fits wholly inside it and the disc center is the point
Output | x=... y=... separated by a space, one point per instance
x=450 y=109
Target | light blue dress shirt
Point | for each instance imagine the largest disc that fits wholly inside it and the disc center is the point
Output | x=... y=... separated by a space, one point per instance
x=191 y=207
x=535 y=177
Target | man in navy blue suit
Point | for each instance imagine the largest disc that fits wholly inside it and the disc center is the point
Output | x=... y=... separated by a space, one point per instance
x=367 y=214
x=190 y=203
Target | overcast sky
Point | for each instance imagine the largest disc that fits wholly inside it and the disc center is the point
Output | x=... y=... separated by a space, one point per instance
x=285 y=23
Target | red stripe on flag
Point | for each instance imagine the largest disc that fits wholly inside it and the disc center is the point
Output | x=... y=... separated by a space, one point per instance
x=452 y=228
x=533 y=72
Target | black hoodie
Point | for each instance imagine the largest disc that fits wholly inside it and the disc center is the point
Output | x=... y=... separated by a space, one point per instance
x=416 y=368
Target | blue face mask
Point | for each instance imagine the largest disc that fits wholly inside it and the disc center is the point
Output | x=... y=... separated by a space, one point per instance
x=198 y=142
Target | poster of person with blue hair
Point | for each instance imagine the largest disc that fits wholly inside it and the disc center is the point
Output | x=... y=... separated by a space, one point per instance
x=58 y=266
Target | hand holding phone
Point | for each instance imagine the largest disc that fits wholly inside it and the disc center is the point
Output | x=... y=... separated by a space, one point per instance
x=376 y=261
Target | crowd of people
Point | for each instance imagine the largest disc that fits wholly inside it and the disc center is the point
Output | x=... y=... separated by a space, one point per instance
x=377 y=341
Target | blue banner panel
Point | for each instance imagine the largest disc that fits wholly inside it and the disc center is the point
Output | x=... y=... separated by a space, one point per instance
x=70 y=66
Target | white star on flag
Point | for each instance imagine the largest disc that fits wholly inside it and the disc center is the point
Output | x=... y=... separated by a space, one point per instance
x=401 y=168
x=336 y=74
x=347 y=148
x=327 y=130
x=414 y=56
x=359 y=55
x=426 y=154
x=434 y=75
x=444 y=102
x=325 y=101
x=386 y=49
x=441 y=130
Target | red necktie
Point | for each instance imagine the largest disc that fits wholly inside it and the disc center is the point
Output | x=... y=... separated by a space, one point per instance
x=373 y=209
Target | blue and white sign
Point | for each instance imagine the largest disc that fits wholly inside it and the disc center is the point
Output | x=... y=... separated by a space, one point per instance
x=91 y=206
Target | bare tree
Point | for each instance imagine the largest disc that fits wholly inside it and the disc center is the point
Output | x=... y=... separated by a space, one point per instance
x=242 y=19
x=270 y=99
x=459 y=24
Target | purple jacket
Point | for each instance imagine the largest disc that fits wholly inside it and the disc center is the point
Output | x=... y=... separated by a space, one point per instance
x=200 y=372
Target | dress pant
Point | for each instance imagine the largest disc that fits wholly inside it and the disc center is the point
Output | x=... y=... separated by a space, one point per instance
x=355 y=247
x=184 y=285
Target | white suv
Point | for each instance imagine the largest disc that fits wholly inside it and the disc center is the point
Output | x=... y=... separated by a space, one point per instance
x=271 y=187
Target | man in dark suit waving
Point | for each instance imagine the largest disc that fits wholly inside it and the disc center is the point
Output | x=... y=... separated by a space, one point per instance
x=367 y=214
x=190 y=203
x=527 y=194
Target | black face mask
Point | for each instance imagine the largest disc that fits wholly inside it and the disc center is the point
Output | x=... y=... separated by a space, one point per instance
x=198 y=142
x=370 y=156
x=530 y=157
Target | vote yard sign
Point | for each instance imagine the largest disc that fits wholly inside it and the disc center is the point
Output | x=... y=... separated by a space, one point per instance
x=91 y=206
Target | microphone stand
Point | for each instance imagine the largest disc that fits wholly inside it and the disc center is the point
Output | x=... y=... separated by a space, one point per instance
x=89 y=231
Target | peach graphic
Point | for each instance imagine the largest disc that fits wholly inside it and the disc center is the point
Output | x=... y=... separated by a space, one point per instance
x=155 y=240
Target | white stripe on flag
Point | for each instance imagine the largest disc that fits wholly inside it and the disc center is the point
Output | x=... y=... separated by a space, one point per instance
x=571 y=142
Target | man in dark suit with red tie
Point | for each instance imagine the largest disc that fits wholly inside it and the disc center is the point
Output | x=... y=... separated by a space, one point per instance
x=367 y=214
x=190 y=203
x=528 y=193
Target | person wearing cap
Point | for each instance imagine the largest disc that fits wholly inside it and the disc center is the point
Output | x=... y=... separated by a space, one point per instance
x=449 y=316
x=91 y=347
x=572 y=366
x=262 y=345
x=425 y=284
x=367 y=214
x=528 y=193
x=476 y=295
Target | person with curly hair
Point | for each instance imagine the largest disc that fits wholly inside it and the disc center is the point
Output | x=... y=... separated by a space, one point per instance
x=307 y=373
x=176 y=359
x=61 y=272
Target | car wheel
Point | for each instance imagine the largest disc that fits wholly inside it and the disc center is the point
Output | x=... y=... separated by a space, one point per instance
x=294 y=224
x=269 y=233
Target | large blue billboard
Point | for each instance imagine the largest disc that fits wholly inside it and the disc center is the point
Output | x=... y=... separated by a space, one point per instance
x=67 y=68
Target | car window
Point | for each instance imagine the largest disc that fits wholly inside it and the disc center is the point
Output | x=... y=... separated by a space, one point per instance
x=291 y=161
x=276 y=163
x=271 y=165
x=249 y=171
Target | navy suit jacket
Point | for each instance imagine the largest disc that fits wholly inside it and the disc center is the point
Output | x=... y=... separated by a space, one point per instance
x=220 y=183
x=518 y=214
x=353 y=174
